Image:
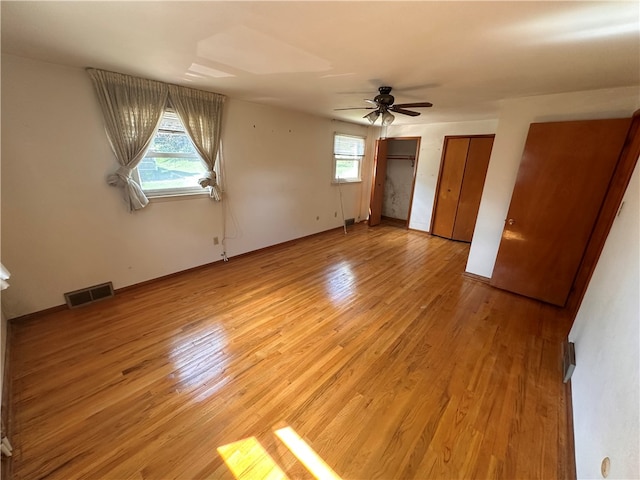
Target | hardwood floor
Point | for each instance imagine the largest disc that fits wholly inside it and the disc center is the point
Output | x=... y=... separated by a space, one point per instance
x=371 y=348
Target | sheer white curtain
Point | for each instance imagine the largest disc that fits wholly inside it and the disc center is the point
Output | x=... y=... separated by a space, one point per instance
x=201 y=114
x=132 y=109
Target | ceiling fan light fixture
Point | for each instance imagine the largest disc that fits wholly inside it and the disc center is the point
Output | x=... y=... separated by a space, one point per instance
x=372 y=116
x=387 y=118
x=384 y=105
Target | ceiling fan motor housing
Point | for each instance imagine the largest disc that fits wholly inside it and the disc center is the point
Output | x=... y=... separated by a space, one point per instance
x=384 y=106
x=384 y=98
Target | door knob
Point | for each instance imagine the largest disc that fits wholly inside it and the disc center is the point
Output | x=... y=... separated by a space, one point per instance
x=511 y=221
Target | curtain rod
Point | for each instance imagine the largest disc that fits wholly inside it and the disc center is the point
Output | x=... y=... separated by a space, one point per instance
x=156 y=81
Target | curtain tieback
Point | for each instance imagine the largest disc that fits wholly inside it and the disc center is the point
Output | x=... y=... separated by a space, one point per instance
x=209 y=180
x=121 y=177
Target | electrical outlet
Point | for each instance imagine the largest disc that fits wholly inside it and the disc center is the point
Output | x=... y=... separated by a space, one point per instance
x=216 y=241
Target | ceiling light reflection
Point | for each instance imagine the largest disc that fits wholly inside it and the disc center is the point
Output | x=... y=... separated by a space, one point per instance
x=592 y=21
x=208 y=71
x=597 y=32
x=244 y=48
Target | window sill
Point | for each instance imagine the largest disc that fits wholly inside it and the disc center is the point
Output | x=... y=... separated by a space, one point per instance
x=165 y=197
x=345 y=182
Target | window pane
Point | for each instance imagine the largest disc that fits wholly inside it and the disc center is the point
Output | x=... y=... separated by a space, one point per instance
x=170 y=142
x=347 y=169
x=172 y=162
x=158 y=173
x=345 y=145
x=348 y=152
x=170 y=121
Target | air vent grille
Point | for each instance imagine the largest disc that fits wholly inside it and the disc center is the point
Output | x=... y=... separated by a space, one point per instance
x=89 y=295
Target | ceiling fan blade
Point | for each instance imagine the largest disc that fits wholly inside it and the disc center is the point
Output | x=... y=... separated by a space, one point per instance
x=414 y=105
x=395 y=109
x=356 y=108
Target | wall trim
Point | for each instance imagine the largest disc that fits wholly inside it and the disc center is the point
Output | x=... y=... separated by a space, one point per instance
x=416 y=230
x=59 y=308
x=608 y=211
x=6 y=467
x=476 y=277
x=571 y=471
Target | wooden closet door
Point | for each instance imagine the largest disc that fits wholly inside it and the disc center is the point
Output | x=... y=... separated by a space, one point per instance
x=562 y=181
x=377 y=186
x=472 y=184
x=452 y=171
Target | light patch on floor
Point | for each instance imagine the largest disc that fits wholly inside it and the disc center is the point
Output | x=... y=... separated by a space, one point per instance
x=303 y=452
x=247 y=459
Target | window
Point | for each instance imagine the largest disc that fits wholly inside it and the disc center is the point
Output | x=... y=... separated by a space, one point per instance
x=348 y=152
x=172 y=165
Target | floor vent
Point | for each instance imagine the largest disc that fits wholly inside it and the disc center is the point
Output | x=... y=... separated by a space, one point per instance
x=349 y=221
x=89 y=295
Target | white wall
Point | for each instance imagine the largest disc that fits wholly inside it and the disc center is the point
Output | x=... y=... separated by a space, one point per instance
x=515 y=117
x=278 y=173
x=64 y=228
x=429 y=156
x=606 y=381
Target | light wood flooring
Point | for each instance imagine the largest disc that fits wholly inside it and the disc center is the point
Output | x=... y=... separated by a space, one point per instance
x=372 y=349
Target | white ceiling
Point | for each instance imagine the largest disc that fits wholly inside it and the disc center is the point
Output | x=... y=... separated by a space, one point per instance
x=464 y=57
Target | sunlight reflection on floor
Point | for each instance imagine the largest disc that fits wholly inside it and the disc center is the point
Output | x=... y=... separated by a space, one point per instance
x=248 y=459
x=309 y=458
x=340 y=282
x=200 y=362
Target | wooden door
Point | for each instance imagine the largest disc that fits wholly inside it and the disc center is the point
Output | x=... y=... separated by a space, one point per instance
x=449 y=185
x=562 y=181
x=377 y=187
x=475 y=172
x=462 y=172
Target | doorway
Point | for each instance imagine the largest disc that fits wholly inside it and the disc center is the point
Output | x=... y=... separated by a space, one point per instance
x=394 y=181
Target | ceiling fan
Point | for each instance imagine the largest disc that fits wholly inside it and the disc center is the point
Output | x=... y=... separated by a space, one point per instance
x=384 y=106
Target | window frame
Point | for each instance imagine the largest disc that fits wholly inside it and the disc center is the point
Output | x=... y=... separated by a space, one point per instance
x=358 y=158
x=177 y=191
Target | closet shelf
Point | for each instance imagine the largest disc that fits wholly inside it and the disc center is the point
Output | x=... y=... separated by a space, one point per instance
x=401 y=157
